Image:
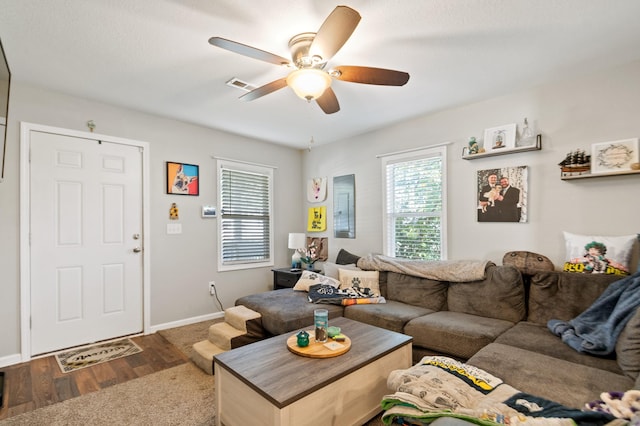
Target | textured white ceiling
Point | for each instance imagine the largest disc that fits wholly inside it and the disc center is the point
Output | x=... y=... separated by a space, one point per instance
x=153 y=55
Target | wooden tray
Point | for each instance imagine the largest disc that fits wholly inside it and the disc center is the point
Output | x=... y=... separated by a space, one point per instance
x=317 y=349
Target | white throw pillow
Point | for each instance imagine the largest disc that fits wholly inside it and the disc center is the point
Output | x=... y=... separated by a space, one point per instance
x=598 y=254
x=309 y=278
x=362 y=279
x=331 y=269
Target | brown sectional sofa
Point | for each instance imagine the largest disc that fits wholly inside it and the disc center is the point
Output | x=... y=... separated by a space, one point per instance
x=497 y=324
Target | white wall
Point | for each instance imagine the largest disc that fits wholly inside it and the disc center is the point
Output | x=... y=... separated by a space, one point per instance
x=181 y=265
x=570 y=114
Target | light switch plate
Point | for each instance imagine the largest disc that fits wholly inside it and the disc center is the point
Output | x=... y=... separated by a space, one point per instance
x=174 y=228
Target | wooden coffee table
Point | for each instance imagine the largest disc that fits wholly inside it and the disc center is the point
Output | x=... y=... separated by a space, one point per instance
x=266 y=384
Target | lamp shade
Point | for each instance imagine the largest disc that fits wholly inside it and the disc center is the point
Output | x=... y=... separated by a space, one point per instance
x=309 y=83
x=297 y=241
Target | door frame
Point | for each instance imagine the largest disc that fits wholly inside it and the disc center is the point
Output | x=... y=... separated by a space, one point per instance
x=25 y=208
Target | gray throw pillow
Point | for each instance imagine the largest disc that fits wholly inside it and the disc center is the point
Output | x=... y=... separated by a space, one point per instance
x=345 y=258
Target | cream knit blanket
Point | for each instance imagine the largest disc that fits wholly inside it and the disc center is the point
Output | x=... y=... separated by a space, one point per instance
x=456 y=271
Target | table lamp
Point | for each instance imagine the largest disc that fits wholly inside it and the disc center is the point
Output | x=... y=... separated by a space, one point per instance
x=297 y=242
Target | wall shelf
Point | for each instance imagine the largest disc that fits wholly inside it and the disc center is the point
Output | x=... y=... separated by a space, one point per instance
x=536 y=147
x=597 y=175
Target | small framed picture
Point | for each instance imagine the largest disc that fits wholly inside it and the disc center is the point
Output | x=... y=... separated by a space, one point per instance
x=182 y=179
x=209 y=212
x=615 y=156
x=500 y=138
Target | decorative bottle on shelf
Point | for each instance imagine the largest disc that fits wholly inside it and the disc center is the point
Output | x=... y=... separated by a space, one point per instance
x=527 y=137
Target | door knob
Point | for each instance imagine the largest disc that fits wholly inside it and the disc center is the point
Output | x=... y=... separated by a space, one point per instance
x=137 y=250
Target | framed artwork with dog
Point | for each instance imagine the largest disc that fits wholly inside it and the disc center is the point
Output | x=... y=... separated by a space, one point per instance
x=182 y=179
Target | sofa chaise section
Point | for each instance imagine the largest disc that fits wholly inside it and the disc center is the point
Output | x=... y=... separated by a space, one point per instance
x=285 y=310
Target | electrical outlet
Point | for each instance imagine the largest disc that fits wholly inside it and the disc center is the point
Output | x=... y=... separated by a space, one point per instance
x=212 y=288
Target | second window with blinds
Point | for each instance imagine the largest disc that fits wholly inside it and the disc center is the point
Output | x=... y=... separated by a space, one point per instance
x=245 y=225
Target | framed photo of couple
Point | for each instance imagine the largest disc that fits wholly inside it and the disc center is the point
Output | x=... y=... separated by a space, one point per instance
x=501 y=194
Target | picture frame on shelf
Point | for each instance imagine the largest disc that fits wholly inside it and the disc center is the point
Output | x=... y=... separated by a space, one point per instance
x=500 y=138
x=183 y=179
x=614 y=156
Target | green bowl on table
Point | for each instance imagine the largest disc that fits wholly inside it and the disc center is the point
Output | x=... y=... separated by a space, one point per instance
x=333 y=331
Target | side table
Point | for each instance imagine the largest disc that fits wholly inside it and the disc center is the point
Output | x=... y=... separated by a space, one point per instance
x=286 y=278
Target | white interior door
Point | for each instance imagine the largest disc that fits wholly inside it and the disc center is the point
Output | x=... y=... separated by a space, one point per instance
x=86 y=245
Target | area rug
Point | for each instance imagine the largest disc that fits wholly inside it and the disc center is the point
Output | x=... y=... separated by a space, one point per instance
x=182 y=395
x=78 y=358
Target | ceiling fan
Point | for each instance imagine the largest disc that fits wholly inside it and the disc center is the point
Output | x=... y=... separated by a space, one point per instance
x=310 y=53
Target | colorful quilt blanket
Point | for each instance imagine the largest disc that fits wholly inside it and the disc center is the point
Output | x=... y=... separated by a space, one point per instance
x=443 y=387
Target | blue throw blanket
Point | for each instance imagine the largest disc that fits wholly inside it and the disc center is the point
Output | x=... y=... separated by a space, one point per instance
x=596 y=330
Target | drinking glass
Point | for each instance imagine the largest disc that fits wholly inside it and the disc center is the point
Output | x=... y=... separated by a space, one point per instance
x=321 y=321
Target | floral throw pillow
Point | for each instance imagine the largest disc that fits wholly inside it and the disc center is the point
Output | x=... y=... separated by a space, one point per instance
x=360 y=279
x=309 y=278
x=595 y=254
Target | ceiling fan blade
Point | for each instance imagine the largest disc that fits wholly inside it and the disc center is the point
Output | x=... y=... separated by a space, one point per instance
x=328 y=101
x=368 y=75
x=265 y=90
x=334 y=32
x=252 y=52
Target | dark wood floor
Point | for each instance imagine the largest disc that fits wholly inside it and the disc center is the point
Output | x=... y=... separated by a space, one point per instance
x=40 y=382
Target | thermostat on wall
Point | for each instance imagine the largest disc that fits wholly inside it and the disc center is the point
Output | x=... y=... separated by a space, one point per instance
x=209 y=211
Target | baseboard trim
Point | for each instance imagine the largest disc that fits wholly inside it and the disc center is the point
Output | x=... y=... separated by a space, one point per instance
x=185 y=321
x=10 y=360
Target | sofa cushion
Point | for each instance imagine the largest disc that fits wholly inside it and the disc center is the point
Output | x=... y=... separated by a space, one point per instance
x=285 y=310
x=454 y=333
x=346 y=258
x=360 y=279
x=628 y=347
x=330 y=269
x=556 y=379
x=416 y=291
x=391 y=315
x=537 y=338
x=309 y=278
x=500 y=295
x=598 y=254
x=563 y=295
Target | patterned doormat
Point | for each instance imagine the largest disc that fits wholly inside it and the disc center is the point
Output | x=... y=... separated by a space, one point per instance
x=87 y=356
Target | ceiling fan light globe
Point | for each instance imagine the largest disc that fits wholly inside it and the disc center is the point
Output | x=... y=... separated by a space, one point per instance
x=309 y=83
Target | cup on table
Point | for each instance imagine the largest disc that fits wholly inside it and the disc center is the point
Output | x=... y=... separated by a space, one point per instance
x=321 y=321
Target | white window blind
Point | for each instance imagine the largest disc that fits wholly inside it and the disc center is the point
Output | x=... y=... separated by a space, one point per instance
x=415 y=204
x=245 y=224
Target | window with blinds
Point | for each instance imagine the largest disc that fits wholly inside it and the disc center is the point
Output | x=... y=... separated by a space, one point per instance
x=245 y=225
x=415 y=204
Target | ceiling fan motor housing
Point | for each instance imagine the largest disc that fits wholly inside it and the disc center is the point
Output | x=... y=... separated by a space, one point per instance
x=299 y=47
